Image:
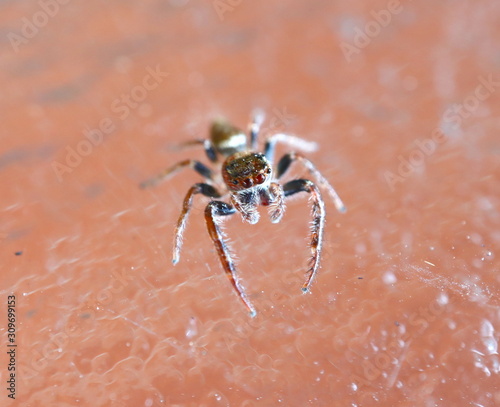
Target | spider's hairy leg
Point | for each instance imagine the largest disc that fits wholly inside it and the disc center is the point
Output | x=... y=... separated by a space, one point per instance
x=254 y=127
x=213 y=212
x=207 y=146
x=246 y=203
x=275 y=199
x=317 y=224
x=289 y=158
x=292 y=141
x=199 y=167
x=199 y=188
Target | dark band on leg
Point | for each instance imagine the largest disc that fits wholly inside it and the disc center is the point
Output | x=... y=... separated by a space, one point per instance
x=219 y=208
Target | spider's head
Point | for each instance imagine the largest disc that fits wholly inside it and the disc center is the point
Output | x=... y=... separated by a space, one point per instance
x=246 y=170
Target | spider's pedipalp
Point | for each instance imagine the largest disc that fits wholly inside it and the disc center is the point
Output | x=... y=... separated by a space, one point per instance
x=275 y=201
x=200 y=188
x=246 y=203
x=289 y=158
x=317 y=224
x=213 y=212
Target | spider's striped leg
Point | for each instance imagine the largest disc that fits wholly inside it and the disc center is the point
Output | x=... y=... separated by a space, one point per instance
x=213 y=212
x=292 y=141
x=199 y=167
x=207 y=146
x=200 y=188
x=317 y=224
x=254 y=128
x=289 y=158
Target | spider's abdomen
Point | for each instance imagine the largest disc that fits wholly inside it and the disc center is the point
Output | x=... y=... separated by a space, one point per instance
x=227 y=139
x=245 y=170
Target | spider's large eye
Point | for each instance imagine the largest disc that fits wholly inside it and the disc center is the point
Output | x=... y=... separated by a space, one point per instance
x=247 y=183
x=259 y=179
x=235 y=182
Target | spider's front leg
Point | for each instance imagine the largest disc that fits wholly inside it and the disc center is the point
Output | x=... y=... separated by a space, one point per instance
x=289 y=158
x=200 y=188
x=199 y=167
x=213 y=212
x=317 y=225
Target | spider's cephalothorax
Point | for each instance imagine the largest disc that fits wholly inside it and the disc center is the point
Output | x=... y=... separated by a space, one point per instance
x=249 y=180
x=245 y=170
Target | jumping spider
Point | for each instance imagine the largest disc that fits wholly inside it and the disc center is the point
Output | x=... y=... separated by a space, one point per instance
x=250 y=180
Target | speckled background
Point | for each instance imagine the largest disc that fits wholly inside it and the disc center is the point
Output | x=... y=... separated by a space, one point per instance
x=404 y=99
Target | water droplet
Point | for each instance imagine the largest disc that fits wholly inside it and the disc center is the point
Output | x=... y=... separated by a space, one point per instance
x=192 y=329
x=389 y=277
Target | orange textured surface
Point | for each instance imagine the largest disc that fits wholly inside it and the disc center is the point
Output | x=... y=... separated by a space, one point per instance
x=404 y=99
